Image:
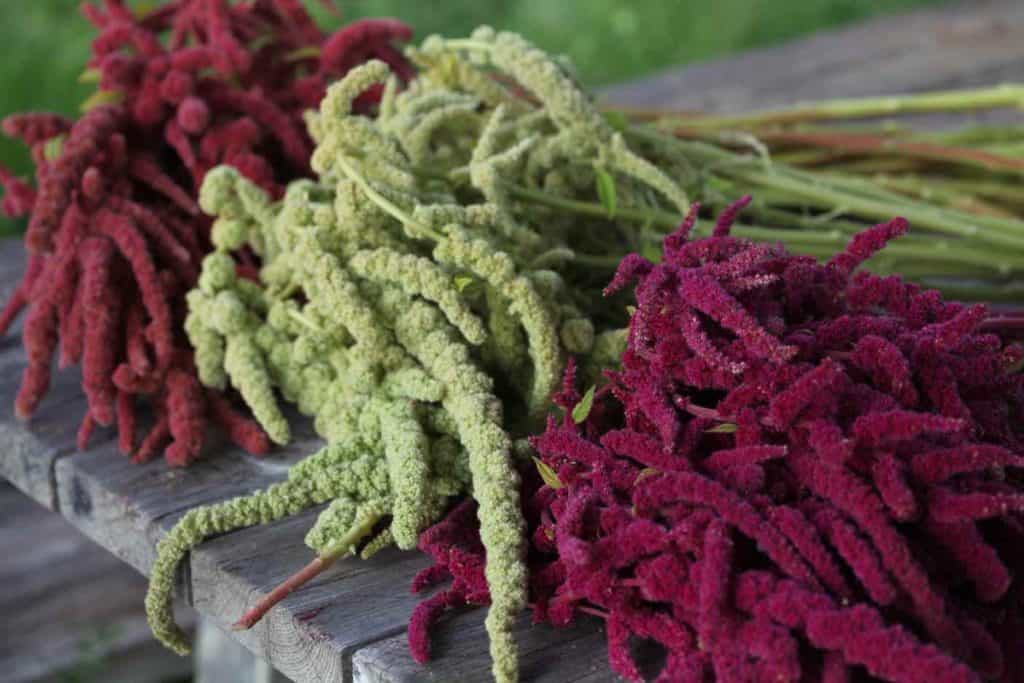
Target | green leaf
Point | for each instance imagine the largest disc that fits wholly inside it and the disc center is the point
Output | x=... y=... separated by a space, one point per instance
x=90 y=76
x=617 y=120
x=644 y=473
x=53 y=147
x=606 y=191
x=724 y=428
x=651 y=251
x=650 y=242
x=101 y=97
x=143 y=9
x=549 y=476
x=308 y=52
x=462 y=281
x=582 y=409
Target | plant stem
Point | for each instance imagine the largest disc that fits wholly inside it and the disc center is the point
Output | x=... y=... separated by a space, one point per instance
x=325 y=559
x=384 y=203
x=296 y=580
x=468 y=44
x=871 y=144
x=951 y=255
x=1000 y=96
x=928 y=190
x=832 y=192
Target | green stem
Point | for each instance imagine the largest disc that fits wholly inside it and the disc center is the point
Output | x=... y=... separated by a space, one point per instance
x=949 y=254
x=982 y=291
x=832 y=192
x=1011 y=193
x=468 y=44
x=1006 y=95
x=384 y=203
x=304 y=321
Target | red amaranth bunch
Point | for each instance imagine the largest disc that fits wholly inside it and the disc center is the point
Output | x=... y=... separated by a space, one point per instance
x=115 y=236
x=799 y=473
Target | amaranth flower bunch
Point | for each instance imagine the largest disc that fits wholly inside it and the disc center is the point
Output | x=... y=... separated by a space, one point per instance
x=115 y=235
x=799 y=472
x=412 y=305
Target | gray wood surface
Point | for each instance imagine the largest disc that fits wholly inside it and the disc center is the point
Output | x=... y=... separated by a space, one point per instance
x=548 y=655
x=31 y=450
x=220 y=658
x=350 y=622
x=965 y=44
x=69 y=607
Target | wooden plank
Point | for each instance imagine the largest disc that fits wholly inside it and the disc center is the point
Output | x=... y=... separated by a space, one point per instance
x=312 y=634
x=30 y=450
x=69 y=606
x=968 y=44
x=127 y=508
x=547 y=655
x=220 y=658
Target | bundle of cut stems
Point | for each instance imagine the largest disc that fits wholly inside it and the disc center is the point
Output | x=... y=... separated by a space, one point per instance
x=820 y=170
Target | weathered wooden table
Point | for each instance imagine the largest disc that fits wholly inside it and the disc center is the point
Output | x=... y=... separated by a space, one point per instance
x=349 y=624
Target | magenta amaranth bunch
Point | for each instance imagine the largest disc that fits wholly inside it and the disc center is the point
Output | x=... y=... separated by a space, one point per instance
x=799 y=473
x=115 y=235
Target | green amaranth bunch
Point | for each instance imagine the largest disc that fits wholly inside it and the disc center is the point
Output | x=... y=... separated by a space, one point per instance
x=415 y=304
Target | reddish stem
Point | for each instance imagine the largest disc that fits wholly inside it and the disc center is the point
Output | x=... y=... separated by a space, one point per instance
x=296 y=580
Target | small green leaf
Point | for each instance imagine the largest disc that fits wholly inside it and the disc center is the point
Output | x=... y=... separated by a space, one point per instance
x=582 y=409
x=549 y=476
x=617 y=120
x=101 y=97
x=644 y=473
x=630 y=310
x=90 y=76
x=308 y=52
x=53 y=147
x=462 y=281
x=651 y=252
x=724 y=428
x=650 y=242
x=143 y=9
x=606 y=191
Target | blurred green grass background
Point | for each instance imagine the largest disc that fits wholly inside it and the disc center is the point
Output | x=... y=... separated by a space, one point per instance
x=46 y=42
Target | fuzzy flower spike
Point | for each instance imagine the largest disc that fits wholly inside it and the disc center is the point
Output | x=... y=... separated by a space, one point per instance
x=798 y=472
x=115 y=235
x=415 y=304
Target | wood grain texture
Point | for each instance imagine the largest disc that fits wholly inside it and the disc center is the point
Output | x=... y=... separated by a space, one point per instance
x=70 y=606
x=127 y=508
x=313 y=633
x=547 y=655
x=971 y=43
x=31 y=449
x=220 y=658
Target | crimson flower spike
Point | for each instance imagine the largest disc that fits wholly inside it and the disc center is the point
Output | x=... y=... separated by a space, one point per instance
x=819 y=474
x=115 y=237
